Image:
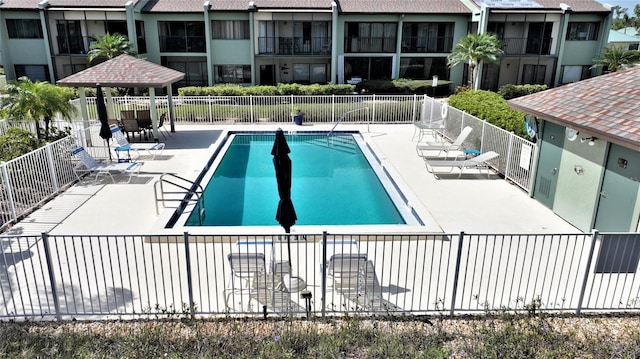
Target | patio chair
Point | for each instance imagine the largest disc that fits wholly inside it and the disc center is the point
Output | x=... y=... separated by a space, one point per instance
x=456 y=145
x=478 y=162
x=247 y=275
x=144 y=121
x=93 y=166
x=153 y=149
x=421 y=128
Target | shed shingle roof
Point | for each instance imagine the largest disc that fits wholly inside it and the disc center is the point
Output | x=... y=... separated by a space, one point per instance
x=124 y=71
x=607 y=106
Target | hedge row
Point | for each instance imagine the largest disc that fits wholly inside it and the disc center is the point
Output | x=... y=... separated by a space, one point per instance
x=491 y=107
x=404 y=86
x=512 y=91
x=279 y=90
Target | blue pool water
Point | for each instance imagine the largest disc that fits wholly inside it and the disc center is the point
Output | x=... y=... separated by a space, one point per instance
x=332 y=184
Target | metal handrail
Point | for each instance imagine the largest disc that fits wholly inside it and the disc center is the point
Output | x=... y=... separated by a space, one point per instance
x=344 y=114
x=195 y=190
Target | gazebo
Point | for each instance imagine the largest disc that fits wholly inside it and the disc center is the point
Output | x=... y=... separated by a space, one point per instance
x=127 y=71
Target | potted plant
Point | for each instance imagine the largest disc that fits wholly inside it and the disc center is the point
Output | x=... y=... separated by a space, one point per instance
x=297 y=115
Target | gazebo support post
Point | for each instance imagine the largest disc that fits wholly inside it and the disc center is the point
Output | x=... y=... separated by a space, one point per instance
x=171 y=111
x=85 y=115
x=154 y=113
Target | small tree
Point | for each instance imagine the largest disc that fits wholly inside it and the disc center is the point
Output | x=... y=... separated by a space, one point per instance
x=108 y=47
x=476 y=49
x=33 y=101
x=615 y=58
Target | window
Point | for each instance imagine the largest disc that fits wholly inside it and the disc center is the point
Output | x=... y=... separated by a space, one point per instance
x=24 y=29
x=424 y=68
x=234 y=74
x=230 y=29
x=574 y=73
x=427 y=37
x=181 y=36
x=311 y=37
x=583 y=31
x=370 y=37
x=367 y=68
x=633 y=46
x=141 y=40
x=195 y=72
x=70 y=69
x=533 y=74
x=33 y=72
x=309 y=73
x=70 y=40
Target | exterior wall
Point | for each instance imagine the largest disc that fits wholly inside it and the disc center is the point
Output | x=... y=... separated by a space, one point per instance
x=577 y=191
x=19 y=51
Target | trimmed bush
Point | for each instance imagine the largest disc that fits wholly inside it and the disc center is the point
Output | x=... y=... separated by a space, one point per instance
x=279 y=90
x=404 y=86
x=510 y=91
x=491 y=107
x=17 y=142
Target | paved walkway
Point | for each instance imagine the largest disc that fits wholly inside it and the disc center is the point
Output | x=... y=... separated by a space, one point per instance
x=473 y=204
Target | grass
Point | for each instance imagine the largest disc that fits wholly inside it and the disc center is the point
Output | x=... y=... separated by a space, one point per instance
x=487 y=336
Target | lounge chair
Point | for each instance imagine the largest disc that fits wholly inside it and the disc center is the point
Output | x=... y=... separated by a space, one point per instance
x=93 y=166
x=456 y=145
x=153 y=149
x=477 y=162
x=355 y=279
x=247 y=273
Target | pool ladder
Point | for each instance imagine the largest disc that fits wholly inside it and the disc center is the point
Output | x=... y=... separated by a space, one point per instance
x=344 y=115
x=188 y=192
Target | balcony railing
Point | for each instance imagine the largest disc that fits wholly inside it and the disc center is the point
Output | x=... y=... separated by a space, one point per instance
x=526 y=46
x=182 y=44
x=442 y=44
x=69 y=45
x=294 y=45
x=370 y=44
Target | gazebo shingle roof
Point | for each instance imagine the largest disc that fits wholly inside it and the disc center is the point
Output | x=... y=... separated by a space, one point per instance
x=124 y=71
x=607 y=106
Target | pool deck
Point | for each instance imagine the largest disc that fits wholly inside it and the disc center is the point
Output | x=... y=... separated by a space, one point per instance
x=473 y=204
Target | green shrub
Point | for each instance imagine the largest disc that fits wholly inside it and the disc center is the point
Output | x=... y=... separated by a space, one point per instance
x=491 y=107
x=17 y=142
x=404 y=86
x=279 y=90
x=510 y=91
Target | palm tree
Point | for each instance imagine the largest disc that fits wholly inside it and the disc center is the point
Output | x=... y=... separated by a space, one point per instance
x=32 y=101
x=108 y=47
x=615 y=58
x=476 y=49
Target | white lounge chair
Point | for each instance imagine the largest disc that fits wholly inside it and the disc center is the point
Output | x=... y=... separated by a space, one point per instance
x=478 y=162
x=93 y=166
x=153 y=149
x=247 y=275
x=456 y=145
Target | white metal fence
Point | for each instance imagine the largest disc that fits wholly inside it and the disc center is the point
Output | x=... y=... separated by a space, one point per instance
x=97 y=277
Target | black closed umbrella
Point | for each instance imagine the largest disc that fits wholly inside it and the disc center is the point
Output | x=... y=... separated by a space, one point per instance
x=285 y=214
x=105 y=131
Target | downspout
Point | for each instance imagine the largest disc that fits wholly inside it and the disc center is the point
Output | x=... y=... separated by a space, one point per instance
x=562 y=38
x=207 y=32
x=396 y=69
x=252 y=40
x=131 y=25
x=482 y=28
x=42 y=7
x=334 y=43
x=3 y=46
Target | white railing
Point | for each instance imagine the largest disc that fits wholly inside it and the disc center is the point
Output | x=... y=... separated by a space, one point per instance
x=119 y=276
x=33 y=178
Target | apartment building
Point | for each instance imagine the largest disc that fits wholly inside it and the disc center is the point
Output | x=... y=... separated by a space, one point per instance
x=264 y=42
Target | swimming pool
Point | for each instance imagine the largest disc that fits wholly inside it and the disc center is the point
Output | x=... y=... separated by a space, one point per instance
x=337 y=180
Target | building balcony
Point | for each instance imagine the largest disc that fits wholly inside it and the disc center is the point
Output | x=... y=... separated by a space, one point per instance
x=74 y=45
x=370 y=44
x=182 y=44
x=519 y=46
x=421 y=45
x=294 y=46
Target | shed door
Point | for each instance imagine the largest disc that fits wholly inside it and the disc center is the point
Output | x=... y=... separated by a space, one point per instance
x=547 y=174
x=619 y=192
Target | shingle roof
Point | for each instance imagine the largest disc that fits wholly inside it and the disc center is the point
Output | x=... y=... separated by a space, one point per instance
x=232 y=5
x=124 y=71
x=576 y=5
x=607 y=106
x=33 y=4
x=403 y=6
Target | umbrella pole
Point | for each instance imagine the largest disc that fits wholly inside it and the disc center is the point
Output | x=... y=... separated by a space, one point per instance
x=109 y=148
